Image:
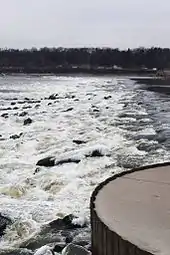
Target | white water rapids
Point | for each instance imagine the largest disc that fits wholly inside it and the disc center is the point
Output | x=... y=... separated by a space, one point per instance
x=34 y=199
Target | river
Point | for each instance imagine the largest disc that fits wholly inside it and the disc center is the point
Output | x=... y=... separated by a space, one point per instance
x=114 y=115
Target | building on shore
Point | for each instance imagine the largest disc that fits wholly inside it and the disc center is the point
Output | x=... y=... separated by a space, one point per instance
x=163 y=73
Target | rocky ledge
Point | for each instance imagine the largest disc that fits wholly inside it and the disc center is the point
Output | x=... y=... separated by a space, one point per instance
x=61 y=236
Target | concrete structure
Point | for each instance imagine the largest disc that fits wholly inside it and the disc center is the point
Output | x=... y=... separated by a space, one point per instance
x=130 y=213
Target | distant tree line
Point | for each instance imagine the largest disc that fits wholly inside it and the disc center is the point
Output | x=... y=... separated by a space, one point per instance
x=85 y=58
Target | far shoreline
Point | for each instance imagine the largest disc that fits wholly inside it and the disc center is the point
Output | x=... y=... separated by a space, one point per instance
x=76 y=71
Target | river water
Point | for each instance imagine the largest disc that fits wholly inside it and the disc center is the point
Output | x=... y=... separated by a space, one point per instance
x=132 y=126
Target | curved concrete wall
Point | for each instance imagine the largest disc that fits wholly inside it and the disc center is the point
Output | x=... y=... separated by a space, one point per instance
x=105 y=241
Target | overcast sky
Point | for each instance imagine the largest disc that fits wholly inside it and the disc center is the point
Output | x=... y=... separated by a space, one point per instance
x=77 y=23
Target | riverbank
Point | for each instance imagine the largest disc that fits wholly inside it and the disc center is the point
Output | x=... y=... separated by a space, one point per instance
x=76 y=70
x=156 y=85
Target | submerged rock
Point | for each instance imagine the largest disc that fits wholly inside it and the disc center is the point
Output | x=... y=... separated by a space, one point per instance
x=69 y=96
x=107 y=97
x=51 y=233
x=145 y=136
x=27 y=121
x=96 y=110
x=45 y=237
x=66 y=161
x=37 y=106
x=79 y=141
x=27 y=107
x=21 y=102
x=35 y=102
x=69 y=109
x=4 y=222
x=13 y=251
x=22 y=114
x=68 y=222
x=72 y=249
x=75 y=156
x=65 y=223
x=53 y=97
x=82 y=243
x=37 y=170
x=49 y=161
x=15 y=108
x=5 y=115
x=7 y=109
x=130 y=161
x=44 y=250
x=95 y=153
x=148 y=146
x=16 y=136
x=59 y=247
x=162 y=135
x=83 y=238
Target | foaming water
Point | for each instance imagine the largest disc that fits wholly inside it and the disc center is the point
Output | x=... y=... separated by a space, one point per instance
x=109 y=114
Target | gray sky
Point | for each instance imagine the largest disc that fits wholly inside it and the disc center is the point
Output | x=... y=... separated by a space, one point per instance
x=76 y=23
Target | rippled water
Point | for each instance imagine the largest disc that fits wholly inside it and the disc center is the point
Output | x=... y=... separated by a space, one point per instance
x=133 y=125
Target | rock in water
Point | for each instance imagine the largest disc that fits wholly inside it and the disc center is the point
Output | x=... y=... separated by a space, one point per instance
x=73 y=249
x=52 y=233
x=21 y=102
x=44 y=250
x=4 y=115
x=78 y=141
x=66 y=161
x=15 y=108
x=69 y=109
x=27 y=121
x=66 y=223
x=7 y=109
x=37 y=106
x=107 y=97
x=59 y=247
x=27 y=107
x=37 y=170
x=49 y=161
x=95 y=153
x=96 y=110
x=22 y=114
x=15 y=251
x=16 y=136
x=75 y=156
x=130 y=161
x=4 y=222
x=53 y=97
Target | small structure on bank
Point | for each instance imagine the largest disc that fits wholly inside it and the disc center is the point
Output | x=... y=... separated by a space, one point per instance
x=163 y=74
